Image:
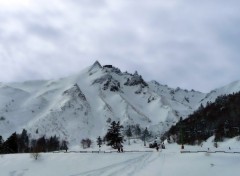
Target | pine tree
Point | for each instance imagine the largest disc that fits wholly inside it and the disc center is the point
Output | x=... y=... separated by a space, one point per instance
x=129 y=134
x=23 y=142
x=11 y=144
x=41 y=145
x=53 y=144
x=145 y=135
x=99 y=141
x=1 y=144
x=114 y=136
x=137 y=130
x=64 y=145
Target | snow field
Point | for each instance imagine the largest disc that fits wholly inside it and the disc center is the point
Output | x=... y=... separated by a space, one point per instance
x=169 y=162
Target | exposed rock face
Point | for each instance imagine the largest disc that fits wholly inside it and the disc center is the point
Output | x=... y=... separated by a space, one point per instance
x=136 y=80
x=108 y=83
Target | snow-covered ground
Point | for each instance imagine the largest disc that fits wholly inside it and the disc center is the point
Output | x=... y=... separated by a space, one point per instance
x=168 y=162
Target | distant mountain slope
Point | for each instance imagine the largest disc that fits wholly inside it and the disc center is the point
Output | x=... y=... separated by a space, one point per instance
x=225 y=90
x=220 y=118
x=84 y=104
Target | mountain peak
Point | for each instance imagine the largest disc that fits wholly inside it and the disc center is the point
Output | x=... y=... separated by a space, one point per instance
x=95 y=66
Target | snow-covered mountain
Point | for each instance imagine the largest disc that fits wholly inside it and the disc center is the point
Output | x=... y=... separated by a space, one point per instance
x=84 y=104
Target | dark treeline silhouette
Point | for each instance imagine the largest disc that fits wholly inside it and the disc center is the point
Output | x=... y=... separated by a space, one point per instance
x=20 y=143
x=221 y=118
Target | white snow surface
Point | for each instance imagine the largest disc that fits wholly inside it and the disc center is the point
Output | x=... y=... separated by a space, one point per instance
x=79 y=106
x=167 y=162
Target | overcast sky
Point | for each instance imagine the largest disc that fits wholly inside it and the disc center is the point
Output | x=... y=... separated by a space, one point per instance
x=193 y=44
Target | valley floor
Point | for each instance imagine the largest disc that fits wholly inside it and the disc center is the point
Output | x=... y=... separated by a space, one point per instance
x=169 y=162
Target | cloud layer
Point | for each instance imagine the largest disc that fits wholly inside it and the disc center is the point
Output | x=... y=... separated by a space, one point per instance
x=191 y=44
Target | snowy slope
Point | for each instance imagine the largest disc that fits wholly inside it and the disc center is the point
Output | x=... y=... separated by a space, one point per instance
x=228 y=89
x=84 y=104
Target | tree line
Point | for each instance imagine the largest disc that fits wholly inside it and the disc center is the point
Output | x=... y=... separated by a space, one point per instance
x=21 y=143
x=220 y=118
x=117 y=133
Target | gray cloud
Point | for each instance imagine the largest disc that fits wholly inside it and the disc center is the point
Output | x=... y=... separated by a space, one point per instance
x=192 y=44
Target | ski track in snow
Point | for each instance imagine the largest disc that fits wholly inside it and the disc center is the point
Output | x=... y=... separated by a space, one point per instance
x=129 y=167
x=20 y=173
x=162 y=164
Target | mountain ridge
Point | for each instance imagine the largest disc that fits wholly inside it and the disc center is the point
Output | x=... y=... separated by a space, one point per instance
x=82 y=105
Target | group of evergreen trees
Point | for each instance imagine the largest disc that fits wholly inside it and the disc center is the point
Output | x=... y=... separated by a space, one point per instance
x=16 y=143
x=114 y=134
x=20 y=143
x=133 y=131
x=221 y=118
